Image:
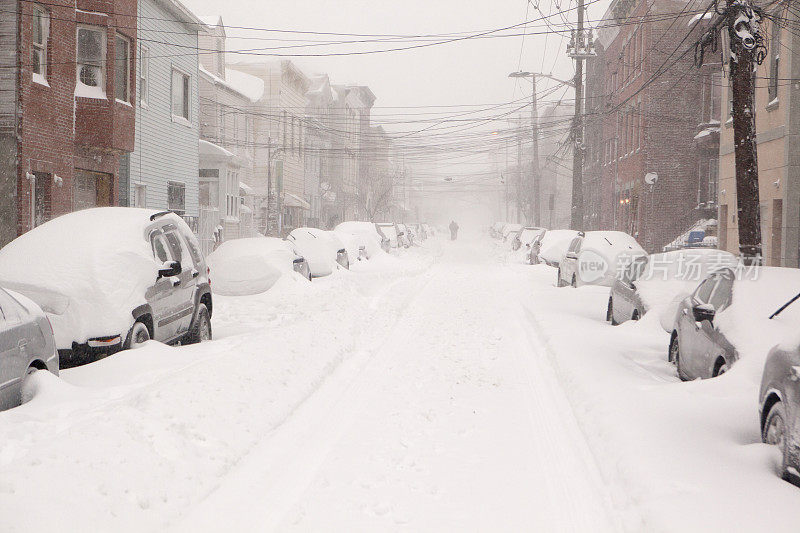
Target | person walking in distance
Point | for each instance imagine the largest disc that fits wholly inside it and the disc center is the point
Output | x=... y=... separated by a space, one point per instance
x=453 y=230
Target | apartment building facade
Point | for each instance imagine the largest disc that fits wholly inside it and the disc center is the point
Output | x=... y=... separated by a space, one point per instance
x=66 y=108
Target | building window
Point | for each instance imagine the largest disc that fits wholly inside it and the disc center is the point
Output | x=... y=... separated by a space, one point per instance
x=41 y=31
x=122 y=72
x=91 y=52
x=176 y=197
x=716 y=91
x=42 y=206
x=180 y=94
x=713 y=180
x=140 y=195
x=144 y=73
x=774 y=61
x=232 y=195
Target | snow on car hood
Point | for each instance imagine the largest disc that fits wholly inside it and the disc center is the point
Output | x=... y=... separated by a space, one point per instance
x=317 y=247
x=554 y=244
x=365 y=233
x=250 y=266
x=88 y=270
x=757 y=293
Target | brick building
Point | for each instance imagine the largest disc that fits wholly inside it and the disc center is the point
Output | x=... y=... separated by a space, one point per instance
x=650 y=111
x=66 y=114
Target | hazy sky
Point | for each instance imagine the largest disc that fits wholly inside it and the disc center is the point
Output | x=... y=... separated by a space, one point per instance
x=465 y=72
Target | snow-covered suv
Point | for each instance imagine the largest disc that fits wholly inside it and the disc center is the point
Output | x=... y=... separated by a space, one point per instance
x=111 y=278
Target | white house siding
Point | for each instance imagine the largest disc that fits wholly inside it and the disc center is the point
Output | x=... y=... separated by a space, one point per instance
x=165 y=149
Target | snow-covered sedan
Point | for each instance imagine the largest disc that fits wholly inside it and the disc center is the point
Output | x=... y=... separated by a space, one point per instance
x=551 y=246
x=728 y=317
x=779 y=407
x=110 y=278
x=525 y=237
x=253 y=265
x=323 y=250
x=658 y=280
x=596 y=257
x=26 y=345
x=366 y=236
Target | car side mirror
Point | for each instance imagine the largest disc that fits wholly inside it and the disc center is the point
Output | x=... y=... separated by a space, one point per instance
x=169 y=269
x=703 y=312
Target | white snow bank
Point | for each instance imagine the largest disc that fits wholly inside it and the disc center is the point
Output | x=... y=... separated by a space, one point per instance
x=87 y=270
x=250 y=266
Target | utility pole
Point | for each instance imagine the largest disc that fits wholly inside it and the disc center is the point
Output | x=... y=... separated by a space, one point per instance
x=535 y=176
x=581 y=47
x=747 y=49
x=742 y=48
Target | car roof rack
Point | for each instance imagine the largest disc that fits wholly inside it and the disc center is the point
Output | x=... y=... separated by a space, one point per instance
x=159 y=215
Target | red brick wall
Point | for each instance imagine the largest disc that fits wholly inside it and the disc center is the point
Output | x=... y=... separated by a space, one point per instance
x=670 y=110
x=57 y=134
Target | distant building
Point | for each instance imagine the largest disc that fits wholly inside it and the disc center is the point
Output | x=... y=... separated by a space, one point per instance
x=777 y=102
x=279 y=129
x=227 y=105
x=649 y=118
x=164 y=162
x=67 y=91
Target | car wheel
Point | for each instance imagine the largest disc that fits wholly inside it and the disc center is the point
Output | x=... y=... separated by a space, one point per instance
x=201 y=329
x=559 y=282
x=635 y=315
x=574 y=283
x=610 y=310
x=138 y=335
x=675 y=356
x=774 y=433
x=720 y=368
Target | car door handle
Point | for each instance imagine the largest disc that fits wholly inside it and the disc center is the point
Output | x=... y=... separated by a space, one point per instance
x=22 y=343
x=195 y=273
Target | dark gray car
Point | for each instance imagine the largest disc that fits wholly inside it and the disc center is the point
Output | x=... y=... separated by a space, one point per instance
x=26 y=345
x=624 y=302
x=779 y=407
x=697 y=347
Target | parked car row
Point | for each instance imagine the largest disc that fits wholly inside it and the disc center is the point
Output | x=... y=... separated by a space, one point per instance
x=90 y=283
x=716 y=311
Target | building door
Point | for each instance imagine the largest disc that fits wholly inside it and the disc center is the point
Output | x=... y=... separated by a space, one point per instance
x=92 y=189
x=777 y=232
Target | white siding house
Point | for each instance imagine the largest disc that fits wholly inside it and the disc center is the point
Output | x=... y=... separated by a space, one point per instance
x=165 y=160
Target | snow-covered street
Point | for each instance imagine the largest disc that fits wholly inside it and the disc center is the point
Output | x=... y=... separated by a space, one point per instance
x=449 y=388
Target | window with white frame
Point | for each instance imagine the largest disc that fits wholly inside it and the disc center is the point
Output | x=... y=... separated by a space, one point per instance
x=144 y=73
x=40 y=35
x=774 y=60
x=122 y=69
x=91 y=54
x=232 y=195
x=180 y=94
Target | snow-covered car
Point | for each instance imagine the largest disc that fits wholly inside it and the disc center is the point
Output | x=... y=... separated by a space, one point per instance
x=110 y=278
x=525 y=237
x=728 y=316
x=388 y=232
x=496 y=230
x=404 y=237
x=551 y=246
x=323 y=250
x=509 y=230
x=659 y=280
x=367 y=236
x=252 y=265
x=596 y=257
x=26 y=345
x=779 y=407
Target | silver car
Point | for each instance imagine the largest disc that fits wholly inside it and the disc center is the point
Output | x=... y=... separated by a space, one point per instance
x=26 y=345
